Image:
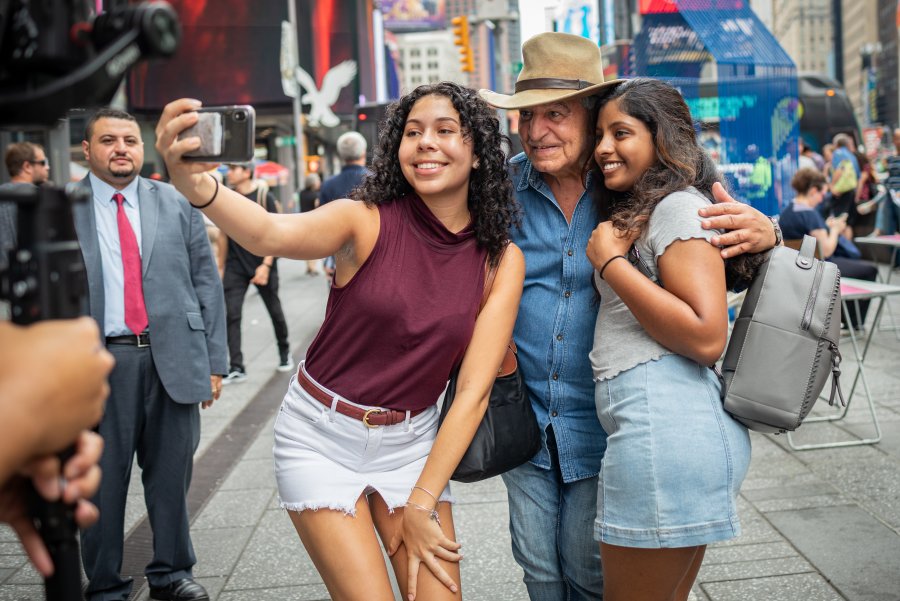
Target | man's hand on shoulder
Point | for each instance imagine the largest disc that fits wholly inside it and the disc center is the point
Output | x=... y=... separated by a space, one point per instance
x=747 y=230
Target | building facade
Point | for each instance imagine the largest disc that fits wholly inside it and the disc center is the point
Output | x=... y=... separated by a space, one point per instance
x=805 y=29
x=859 y=20
x=428 y=57
x=886 y=102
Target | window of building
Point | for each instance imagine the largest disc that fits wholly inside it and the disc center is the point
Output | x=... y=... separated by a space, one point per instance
x=415 y=52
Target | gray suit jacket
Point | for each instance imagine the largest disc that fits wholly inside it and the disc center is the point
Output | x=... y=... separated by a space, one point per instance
x=182 y=289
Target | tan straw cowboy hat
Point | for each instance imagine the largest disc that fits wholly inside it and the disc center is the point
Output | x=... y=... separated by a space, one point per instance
x=556 y=66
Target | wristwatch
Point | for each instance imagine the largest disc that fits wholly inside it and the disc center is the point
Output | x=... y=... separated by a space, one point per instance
x=778 y=235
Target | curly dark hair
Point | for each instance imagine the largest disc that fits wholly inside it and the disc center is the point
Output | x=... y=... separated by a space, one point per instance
x=680 y=162
x=490 y=197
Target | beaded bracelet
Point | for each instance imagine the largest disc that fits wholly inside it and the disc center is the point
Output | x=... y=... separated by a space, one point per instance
x=433 y=514
x=608 y=261
x=216 y=193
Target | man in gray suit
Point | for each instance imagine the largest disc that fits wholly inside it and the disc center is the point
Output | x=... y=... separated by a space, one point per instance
x=155 y=291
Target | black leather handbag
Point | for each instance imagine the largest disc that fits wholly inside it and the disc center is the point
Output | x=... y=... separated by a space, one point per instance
x=508 y=434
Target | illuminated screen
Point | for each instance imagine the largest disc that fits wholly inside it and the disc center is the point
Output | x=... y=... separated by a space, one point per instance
x=650 y=7
x=413 y=15
x=230 y=49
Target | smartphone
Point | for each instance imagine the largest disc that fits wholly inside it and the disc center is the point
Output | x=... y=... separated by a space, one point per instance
x=227 y=134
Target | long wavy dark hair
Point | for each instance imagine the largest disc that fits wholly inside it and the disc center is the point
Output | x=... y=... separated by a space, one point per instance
x=490 y=197
x=680 y=163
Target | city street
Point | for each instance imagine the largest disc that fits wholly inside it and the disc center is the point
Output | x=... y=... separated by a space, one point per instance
x=818 y=525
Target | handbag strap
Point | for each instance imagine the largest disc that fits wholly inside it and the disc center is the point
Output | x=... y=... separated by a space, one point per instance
x=490 y=272
x=509 y=363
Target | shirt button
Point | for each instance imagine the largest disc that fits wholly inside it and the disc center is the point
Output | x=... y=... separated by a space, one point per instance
x=570 y=253
x=567 y=294
x=556 y=376
x=554 y=414
x=559 y=336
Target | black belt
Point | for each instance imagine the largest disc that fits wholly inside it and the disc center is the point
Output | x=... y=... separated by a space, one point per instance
x=138 y=340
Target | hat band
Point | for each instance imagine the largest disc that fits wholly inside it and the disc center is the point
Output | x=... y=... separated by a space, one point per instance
x=544 y=83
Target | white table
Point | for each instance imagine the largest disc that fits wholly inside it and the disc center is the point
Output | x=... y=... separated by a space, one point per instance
x=853 y=291
x=891 y=242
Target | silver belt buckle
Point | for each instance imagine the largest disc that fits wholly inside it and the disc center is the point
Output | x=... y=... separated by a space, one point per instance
x=141 y=344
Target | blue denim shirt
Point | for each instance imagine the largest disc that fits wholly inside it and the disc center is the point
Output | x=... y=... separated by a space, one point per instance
x=555 y=327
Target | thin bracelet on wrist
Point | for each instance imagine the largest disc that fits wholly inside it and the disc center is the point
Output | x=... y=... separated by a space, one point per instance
x=427 y=492
x=608 y=261
x=211 y=200
x=432 y=513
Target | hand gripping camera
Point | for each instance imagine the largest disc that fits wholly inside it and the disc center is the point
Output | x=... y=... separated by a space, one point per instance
x=56 y=55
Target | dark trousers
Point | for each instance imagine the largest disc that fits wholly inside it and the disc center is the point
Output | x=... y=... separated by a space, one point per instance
x=141 y=418
x=860 y=270
x=235 y=286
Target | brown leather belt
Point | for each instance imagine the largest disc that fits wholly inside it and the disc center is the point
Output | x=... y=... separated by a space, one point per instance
x=372 y=418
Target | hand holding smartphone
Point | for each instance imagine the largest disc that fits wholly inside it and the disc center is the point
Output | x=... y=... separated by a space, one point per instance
x=227 y=134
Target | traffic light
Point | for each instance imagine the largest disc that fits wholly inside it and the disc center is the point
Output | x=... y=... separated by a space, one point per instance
x=461 y=39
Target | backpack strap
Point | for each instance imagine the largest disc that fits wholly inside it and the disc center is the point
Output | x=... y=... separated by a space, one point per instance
x=807 y=252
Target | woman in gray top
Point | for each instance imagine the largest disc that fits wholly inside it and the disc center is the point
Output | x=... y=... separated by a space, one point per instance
x=674 y=460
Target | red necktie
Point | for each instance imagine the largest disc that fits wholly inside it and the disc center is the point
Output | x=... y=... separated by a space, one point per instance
x=135 y=311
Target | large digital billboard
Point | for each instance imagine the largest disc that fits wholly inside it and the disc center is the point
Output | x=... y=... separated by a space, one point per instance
x=230 y=51
x=653 y=7
x=414 y=15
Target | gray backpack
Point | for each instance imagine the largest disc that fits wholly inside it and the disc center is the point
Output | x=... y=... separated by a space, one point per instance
x=784 y=341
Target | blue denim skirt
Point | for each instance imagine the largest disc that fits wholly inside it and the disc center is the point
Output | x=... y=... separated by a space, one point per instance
x=674 y=461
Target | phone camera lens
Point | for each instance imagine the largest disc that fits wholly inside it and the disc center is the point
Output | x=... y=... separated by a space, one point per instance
x=240 y=116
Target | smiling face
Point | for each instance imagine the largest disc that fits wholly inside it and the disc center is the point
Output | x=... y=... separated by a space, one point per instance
x=435 y=152
x=555 y=137
x=625 y=148
x=115 y=151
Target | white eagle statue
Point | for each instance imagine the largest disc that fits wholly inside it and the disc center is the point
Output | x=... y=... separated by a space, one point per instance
x=321 y=101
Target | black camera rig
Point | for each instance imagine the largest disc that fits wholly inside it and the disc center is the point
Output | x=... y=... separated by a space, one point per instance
x=56 y=55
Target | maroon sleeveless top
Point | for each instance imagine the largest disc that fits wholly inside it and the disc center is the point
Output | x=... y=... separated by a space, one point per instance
x=393 y=334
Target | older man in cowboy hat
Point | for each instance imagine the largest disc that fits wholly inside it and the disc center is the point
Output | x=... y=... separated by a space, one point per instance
x=552 y=499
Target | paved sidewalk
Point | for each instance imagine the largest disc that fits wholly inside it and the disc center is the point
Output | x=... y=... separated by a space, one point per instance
x=818 y=525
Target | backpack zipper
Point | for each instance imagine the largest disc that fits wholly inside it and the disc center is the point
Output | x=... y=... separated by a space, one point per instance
x=811 y=301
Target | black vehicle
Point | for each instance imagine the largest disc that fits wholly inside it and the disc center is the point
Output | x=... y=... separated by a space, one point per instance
x=826 y=111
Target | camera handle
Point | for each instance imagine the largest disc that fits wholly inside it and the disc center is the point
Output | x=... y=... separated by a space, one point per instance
x=46 y=279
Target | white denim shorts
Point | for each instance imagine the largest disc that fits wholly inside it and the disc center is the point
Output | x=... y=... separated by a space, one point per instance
x=326 y=460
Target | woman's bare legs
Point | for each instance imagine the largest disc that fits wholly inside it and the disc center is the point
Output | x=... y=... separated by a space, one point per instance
x=428 y=587
x=631 y=574
x=346 y=552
